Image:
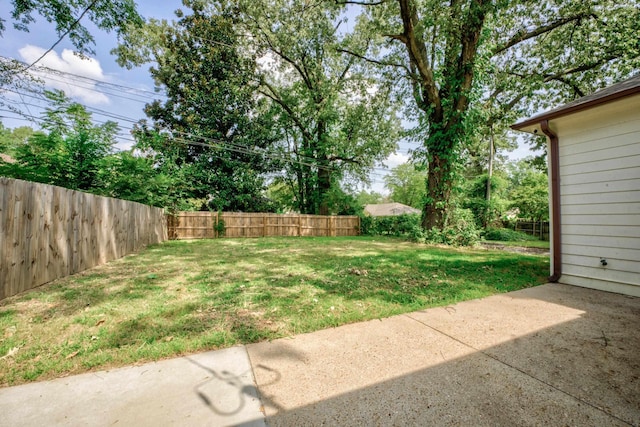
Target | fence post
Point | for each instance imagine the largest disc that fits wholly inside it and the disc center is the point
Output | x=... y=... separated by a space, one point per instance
x=299 y=225
x=215 y=225
x=264 y=225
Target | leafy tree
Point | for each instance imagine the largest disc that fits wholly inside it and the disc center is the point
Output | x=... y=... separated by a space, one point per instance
x=406 y=184
x=529 y=191
x=124 y=175
x=68 y=152
x=210 y=133
x=497 y=55
x=369 y=198
x=335 y=119
x=10 y=139
x=487 y=213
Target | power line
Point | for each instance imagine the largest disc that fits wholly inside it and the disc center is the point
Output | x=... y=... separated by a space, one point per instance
x=48 y=71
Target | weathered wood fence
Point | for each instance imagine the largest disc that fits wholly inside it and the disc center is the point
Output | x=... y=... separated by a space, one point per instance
x=540 y=229
x=211 y=225
x=48 y=232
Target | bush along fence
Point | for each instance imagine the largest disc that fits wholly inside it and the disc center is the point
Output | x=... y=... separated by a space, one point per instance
x=540 y=229
x=49 y=232
x=212 y=225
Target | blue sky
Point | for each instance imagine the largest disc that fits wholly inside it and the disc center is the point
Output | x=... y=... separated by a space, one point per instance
x=123 y=97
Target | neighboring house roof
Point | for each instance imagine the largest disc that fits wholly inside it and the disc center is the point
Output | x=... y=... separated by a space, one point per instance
x=7 y=158
x=621 y=90
x=389 y=209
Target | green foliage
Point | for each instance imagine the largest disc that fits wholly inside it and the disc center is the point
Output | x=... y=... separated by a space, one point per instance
x=473 y=67
x=398 y=225
x=210 y=136
x=474 y=198
x=406 y=183
x=220 y=227
x=113 y=15
x=70 y=151
x=125 y=176
x=335 y=119
x=530 y=192
x=507 y=235
x=460 y=230
x=369 y=198
x=11 y=139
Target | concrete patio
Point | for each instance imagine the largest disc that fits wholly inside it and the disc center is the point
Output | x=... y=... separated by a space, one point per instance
x=550 y=355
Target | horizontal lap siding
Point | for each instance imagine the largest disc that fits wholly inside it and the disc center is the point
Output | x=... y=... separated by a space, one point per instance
x=600 y=197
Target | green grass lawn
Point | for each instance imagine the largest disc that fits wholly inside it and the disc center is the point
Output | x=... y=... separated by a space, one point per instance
x=182 y=297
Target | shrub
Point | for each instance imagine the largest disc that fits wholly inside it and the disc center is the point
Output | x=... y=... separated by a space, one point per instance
x=506 y=235
x=401 y=225
x=459 y=230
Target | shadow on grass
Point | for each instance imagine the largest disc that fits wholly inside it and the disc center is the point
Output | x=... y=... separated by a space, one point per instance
x=189 y=296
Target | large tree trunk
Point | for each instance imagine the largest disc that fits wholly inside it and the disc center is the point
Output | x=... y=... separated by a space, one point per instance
x=439 y=185
x=324 y=185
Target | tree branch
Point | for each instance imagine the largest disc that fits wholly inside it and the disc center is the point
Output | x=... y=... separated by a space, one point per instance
x=418 y=55
x=523 y=35
x=363 y=3
x=344 y=159
x=273 y=96
x=375 y=61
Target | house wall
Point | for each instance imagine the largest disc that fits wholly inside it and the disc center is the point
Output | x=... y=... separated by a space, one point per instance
x=600 y=196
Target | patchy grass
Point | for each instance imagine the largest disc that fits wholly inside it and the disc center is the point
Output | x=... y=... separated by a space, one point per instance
x=182 y=297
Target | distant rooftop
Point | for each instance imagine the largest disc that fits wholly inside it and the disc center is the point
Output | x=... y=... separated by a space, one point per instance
x=389 y=209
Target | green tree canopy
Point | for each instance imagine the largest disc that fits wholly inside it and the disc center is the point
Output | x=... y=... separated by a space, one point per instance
x=211 y=132
x=68 y=151
x=335 y=118
x=406 y=185
x=496 y=56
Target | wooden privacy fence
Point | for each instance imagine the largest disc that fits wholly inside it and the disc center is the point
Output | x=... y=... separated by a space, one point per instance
x=210 y=225
x=48 y=232
x=540 y=229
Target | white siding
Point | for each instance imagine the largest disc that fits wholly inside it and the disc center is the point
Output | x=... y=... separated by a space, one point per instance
x=600 y=196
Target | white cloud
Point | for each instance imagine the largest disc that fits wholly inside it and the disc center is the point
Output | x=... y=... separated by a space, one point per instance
x=68 y=62
x=396 y=159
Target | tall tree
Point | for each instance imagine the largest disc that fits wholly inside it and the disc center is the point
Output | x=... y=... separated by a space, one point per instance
x=463 y=53
x=406 y=183
x=335 y=120
x=210 y=131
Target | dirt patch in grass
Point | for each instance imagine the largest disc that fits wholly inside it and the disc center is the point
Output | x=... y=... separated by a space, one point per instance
x=182 y=297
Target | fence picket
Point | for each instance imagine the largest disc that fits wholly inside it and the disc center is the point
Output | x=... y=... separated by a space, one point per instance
x=48 y=232
x=182 y=225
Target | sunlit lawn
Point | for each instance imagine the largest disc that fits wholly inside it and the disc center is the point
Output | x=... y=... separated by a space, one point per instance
x=182 y=297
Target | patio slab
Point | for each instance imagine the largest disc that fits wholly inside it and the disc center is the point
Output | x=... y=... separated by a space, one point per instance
x=208 y=389
x=551 y=355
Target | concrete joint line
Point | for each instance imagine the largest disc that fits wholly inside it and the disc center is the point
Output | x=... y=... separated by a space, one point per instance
x=490 y=356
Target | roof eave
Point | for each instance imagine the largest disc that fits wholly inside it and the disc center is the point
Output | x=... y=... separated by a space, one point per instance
x=528 y=125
